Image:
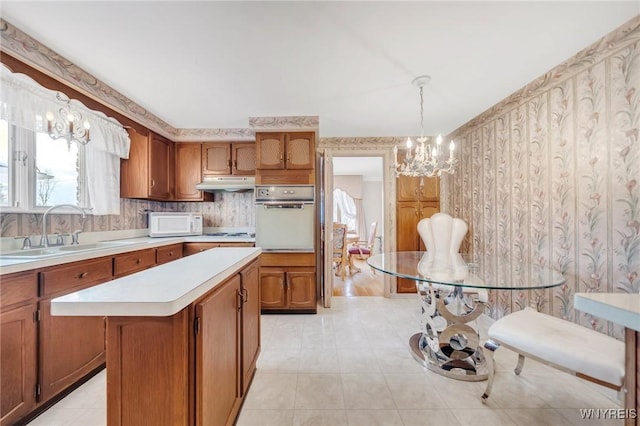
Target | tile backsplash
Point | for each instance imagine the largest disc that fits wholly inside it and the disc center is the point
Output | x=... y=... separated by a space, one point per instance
x=227 y=209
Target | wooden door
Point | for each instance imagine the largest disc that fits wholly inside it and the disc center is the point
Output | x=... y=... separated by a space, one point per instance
x=430 y=189
x=408 y=188
x=216 y=159
x=243 y=159
x=272 y=288
x=250 y=322
x=217 y=356
x=300 y=150
x=188 y=172
x=301 y=290
x=70 y=348
x=160 y=168
x=134 y=171
x=18 y=366
x=270 y=150
x=407 y=237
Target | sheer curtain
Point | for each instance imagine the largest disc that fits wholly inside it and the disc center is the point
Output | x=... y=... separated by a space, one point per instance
x=24 y=103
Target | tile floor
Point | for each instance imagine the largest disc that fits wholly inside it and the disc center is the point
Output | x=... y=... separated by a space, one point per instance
x=349 y=365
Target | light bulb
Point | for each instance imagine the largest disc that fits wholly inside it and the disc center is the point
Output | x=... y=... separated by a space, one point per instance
x=70 y=118
x=49 y=116
x=409 y=143
x=439 y=139
x=452 y=146
x=87 y=126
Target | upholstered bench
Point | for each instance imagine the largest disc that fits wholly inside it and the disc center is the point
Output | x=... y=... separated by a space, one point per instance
x=558 y=343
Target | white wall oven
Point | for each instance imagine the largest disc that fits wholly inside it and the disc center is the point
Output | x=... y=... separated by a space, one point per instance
x=285 y=218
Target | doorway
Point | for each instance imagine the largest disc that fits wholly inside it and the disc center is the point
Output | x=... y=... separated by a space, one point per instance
x=352 y=148
x=358 y=202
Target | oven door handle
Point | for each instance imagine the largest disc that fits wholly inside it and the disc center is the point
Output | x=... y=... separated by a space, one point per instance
x=284 y=206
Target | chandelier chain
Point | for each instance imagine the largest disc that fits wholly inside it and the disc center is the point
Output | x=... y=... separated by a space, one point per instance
x=421 y=112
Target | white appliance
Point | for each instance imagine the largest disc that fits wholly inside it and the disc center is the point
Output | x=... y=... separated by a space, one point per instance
x=172 y=224
x=285 y=217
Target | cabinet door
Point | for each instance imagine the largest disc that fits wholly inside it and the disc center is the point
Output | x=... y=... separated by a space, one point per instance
x=129 y=263
x=270 y=150
x=134 y=171
x=430 y=189
x=188 y=172
x=301 y=290
x=407 y=231
x=407 y=188
x=216 y=159
x=217 y=356
x=272 y=285
x=18 y=366
x=160 y=169
x=70 y=347
x=300 y=150
x=244 y=159
x=250 y=323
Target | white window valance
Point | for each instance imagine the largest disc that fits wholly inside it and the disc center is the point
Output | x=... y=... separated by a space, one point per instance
x=24 y=103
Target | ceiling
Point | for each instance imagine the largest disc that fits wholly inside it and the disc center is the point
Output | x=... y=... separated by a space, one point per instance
x=212 y=64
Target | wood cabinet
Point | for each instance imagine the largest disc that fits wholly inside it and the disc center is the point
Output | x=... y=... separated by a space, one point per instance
x=193 y=248
x=287 y=282
x=18 y=346
x=168 y=253
x=417 y=198
x=129 y=263
x=188 y=172
x=69 y=347
x=285 y=158
x=206 y=354
x=42 y=355
x=148 y=172
x=224 y=159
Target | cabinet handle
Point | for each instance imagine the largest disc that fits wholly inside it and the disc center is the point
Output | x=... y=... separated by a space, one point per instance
x=170 y=253
x=244 y=295
x=153 y=183
x=82 y=275
x=235 y=164
x=138 y=261
x=239 y=300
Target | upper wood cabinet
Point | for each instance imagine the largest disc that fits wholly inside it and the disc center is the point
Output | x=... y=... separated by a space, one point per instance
x=148 y=172
x=224 y=159
x=188 y=172
x=285 y=158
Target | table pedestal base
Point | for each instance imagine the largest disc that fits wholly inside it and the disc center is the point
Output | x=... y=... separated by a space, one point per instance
x=447 y=345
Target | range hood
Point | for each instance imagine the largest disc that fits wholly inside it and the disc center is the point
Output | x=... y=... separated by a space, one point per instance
x=227 y=183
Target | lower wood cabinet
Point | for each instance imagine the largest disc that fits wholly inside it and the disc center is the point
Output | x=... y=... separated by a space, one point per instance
x=42 y=355
x=288 y=282
x=190 y=368
x=169 y=253
x=18 y=362
x=193 y=248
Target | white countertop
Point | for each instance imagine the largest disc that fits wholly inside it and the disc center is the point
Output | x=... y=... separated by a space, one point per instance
x=620 y=308
x=159 y=291
x=8 y=266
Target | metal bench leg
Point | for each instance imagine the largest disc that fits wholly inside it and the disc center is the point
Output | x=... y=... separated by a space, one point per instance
x=518 y=368
x=490 y=347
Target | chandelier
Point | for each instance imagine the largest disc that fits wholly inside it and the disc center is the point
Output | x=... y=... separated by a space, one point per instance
x=65 y=126
x=427 y=160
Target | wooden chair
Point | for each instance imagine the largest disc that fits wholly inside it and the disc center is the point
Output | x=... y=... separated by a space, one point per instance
x=362 y=249
x=340 y=255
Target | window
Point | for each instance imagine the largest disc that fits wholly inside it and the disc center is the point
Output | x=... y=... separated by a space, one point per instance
x=37 y=172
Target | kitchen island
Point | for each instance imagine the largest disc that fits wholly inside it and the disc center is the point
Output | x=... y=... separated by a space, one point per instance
x=182 y=338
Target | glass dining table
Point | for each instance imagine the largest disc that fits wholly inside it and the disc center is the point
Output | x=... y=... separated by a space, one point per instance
x=453 y=293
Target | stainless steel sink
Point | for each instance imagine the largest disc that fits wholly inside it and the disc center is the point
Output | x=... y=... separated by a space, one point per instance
x=42 y=253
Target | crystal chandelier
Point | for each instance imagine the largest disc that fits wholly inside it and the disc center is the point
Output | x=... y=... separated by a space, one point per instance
x=61 y=129
x=426 y=160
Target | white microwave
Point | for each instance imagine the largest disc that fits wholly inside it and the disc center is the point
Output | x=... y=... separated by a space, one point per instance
x=170 y=224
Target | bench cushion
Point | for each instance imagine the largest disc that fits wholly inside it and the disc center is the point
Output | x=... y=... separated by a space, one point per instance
x=562 y=343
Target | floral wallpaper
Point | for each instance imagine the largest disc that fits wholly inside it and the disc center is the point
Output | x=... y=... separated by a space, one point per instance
x=227 y=209
x=551 y=175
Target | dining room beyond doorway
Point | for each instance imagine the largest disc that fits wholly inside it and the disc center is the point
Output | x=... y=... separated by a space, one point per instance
x=358 y=203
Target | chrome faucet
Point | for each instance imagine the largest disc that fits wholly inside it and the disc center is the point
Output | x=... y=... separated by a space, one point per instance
x=44 y=239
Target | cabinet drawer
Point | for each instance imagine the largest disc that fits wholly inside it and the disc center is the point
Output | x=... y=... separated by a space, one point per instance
x=18 y=288
x=168 y=253
x=129 y=263
x=193 y=248
x=79 y=274
x=287 y=259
